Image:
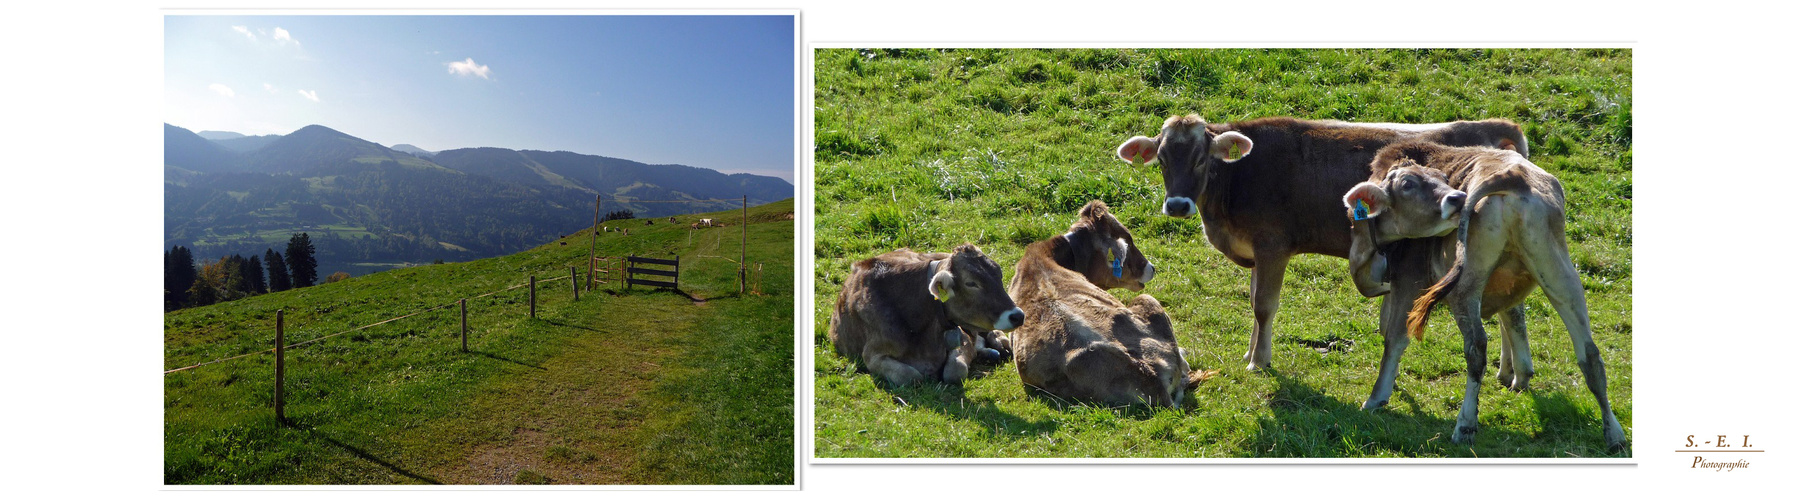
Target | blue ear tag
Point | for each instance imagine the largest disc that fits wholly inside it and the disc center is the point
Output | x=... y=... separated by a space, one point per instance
x=1358 y=212
x=1115 y=263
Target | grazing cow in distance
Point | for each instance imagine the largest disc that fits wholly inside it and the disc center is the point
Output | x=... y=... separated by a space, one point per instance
x=911 y=317
x=704 y=222
x=1081 y=342
x=1510 y=232
x=1267 y=189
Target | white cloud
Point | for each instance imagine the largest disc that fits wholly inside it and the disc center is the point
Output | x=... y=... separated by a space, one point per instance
x=223 y=90
x=310 y=94
x=244 y=30
x=270 y=88
x=469 y=68
x=282 y=36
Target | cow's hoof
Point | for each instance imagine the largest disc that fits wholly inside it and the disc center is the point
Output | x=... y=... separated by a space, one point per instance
x=1374 y=405
x=954 y=338
x=1465 y=434
x=1617 y=440
x=990 y=355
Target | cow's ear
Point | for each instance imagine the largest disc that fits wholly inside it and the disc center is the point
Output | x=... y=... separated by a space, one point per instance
x=1366 y=196
x=1139 y=149
x=942 y=286
x=1117 y=256
x=1231 y=146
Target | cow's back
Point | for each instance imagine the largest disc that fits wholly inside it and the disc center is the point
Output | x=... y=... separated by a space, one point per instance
x=875 y=292
x=1286 y=193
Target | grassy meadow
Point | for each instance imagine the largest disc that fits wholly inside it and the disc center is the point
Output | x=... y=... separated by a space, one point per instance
x=620 y=387
x=927 y=149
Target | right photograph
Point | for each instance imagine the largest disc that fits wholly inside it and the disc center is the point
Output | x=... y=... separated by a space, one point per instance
x=1223 y=253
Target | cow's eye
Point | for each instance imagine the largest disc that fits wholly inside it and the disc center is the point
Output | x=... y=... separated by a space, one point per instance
x=973 y=284
x=1408 y=184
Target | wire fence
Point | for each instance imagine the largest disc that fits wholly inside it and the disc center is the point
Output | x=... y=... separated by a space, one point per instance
x=533 y=281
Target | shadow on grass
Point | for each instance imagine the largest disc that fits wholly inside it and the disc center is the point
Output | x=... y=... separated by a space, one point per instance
x=489 y=355
x=950 y=401
x=1306 y=422
x=364 y=455
x=1578 y=426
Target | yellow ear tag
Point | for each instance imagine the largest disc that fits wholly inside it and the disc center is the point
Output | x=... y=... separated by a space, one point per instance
x=1233 y=151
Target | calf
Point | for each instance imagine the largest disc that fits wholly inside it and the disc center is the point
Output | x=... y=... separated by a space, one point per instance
x=1510 y=233
x=909 y=317
x=1267 y=188
x=1080 y=341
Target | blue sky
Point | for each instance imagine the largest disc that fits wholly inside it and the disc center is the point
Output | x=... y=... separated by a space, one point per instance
x=707 y=91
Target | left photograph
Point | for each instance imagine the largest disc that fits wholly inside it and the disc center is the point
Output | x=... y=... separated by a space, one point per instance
x=479 y=250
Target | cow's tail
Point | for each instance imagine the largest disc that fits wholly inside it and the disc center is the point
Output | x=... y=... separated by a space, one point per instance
x=1417 y=322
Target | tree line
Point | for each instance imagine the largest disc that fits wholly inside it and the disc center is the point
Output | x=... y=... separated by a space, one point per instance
x=186 y=283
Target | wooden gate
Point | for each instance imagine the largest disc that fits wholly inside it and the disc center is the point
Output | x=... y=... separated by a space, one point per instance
x=632 y=269
x=600 y=271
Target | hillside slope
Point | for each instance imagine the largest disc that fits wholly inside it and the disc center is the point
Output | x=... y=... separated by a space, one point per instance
x=632 y=387
x=372 y=208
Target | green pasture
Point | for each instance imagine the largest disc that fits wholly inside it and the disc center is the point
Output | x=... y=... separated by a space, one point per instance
x=927 y=149
x=619 y=387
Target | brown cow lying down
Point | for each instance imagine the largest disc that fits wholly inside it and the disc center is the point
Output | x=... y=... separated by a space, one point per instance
x=902 y=313
x=1267 y=189
x=1510 y=238
x=1082 y=343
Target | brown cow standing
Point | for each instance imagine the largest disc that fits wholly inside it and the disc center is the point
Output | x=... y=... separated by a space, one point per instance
x=1268 y=189
x=912 y=317
x=1081 y=342
x=1510 y=232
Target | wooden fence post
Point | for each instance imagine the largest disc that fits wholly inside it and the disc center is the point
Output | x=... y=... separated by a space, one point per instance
x=463 y=325
x=676 y=272
x=573 y=278
x=742 y=275
x=590 y=253
x=280 y=365
x=532 y=296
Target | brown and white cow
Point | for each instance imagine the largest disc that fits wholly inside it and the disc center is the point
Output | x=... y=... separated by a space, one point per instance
x=912 y=317
x=1269 y=188
x=1081 y=342
x=1510 y=235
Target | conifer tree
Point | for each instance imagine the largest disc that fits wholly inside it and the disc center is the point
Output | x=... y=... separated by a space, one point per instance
x=278 y=279
x=252 y=272
x=302 y=261
x=177 y=278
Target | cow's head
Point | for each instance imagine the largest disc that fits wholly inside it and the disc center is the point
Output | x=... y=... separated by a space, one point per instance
x=1412 y=201
x=971 y=286
x=1103 y=251
x=1185 y=148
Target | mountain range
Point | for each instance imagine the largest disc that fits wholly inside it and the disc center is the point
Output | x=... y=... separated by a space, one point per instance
x=368 y=206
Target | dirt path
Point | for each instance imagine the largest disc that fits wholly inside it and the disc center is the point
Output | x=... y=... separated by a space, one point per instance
x=574 y=418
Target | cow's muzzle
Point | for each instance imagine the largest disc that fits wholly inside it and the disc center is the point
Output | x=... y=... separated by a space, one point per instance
x=1179 y=206
x=1009 y=320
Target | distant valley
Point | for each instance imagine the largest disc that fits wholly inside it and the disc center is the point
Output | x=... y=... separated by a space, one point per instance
x=370 y=207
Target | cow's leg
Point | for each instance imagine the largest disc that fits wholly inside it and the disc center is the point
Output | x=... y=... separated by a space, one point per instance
x=893 y=371
x=1396 y=340
x=1483 y=250
x=1517 y=359
x=958 y=357
x=1267 y=282
x=1550 y=260
x=1465 y=311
